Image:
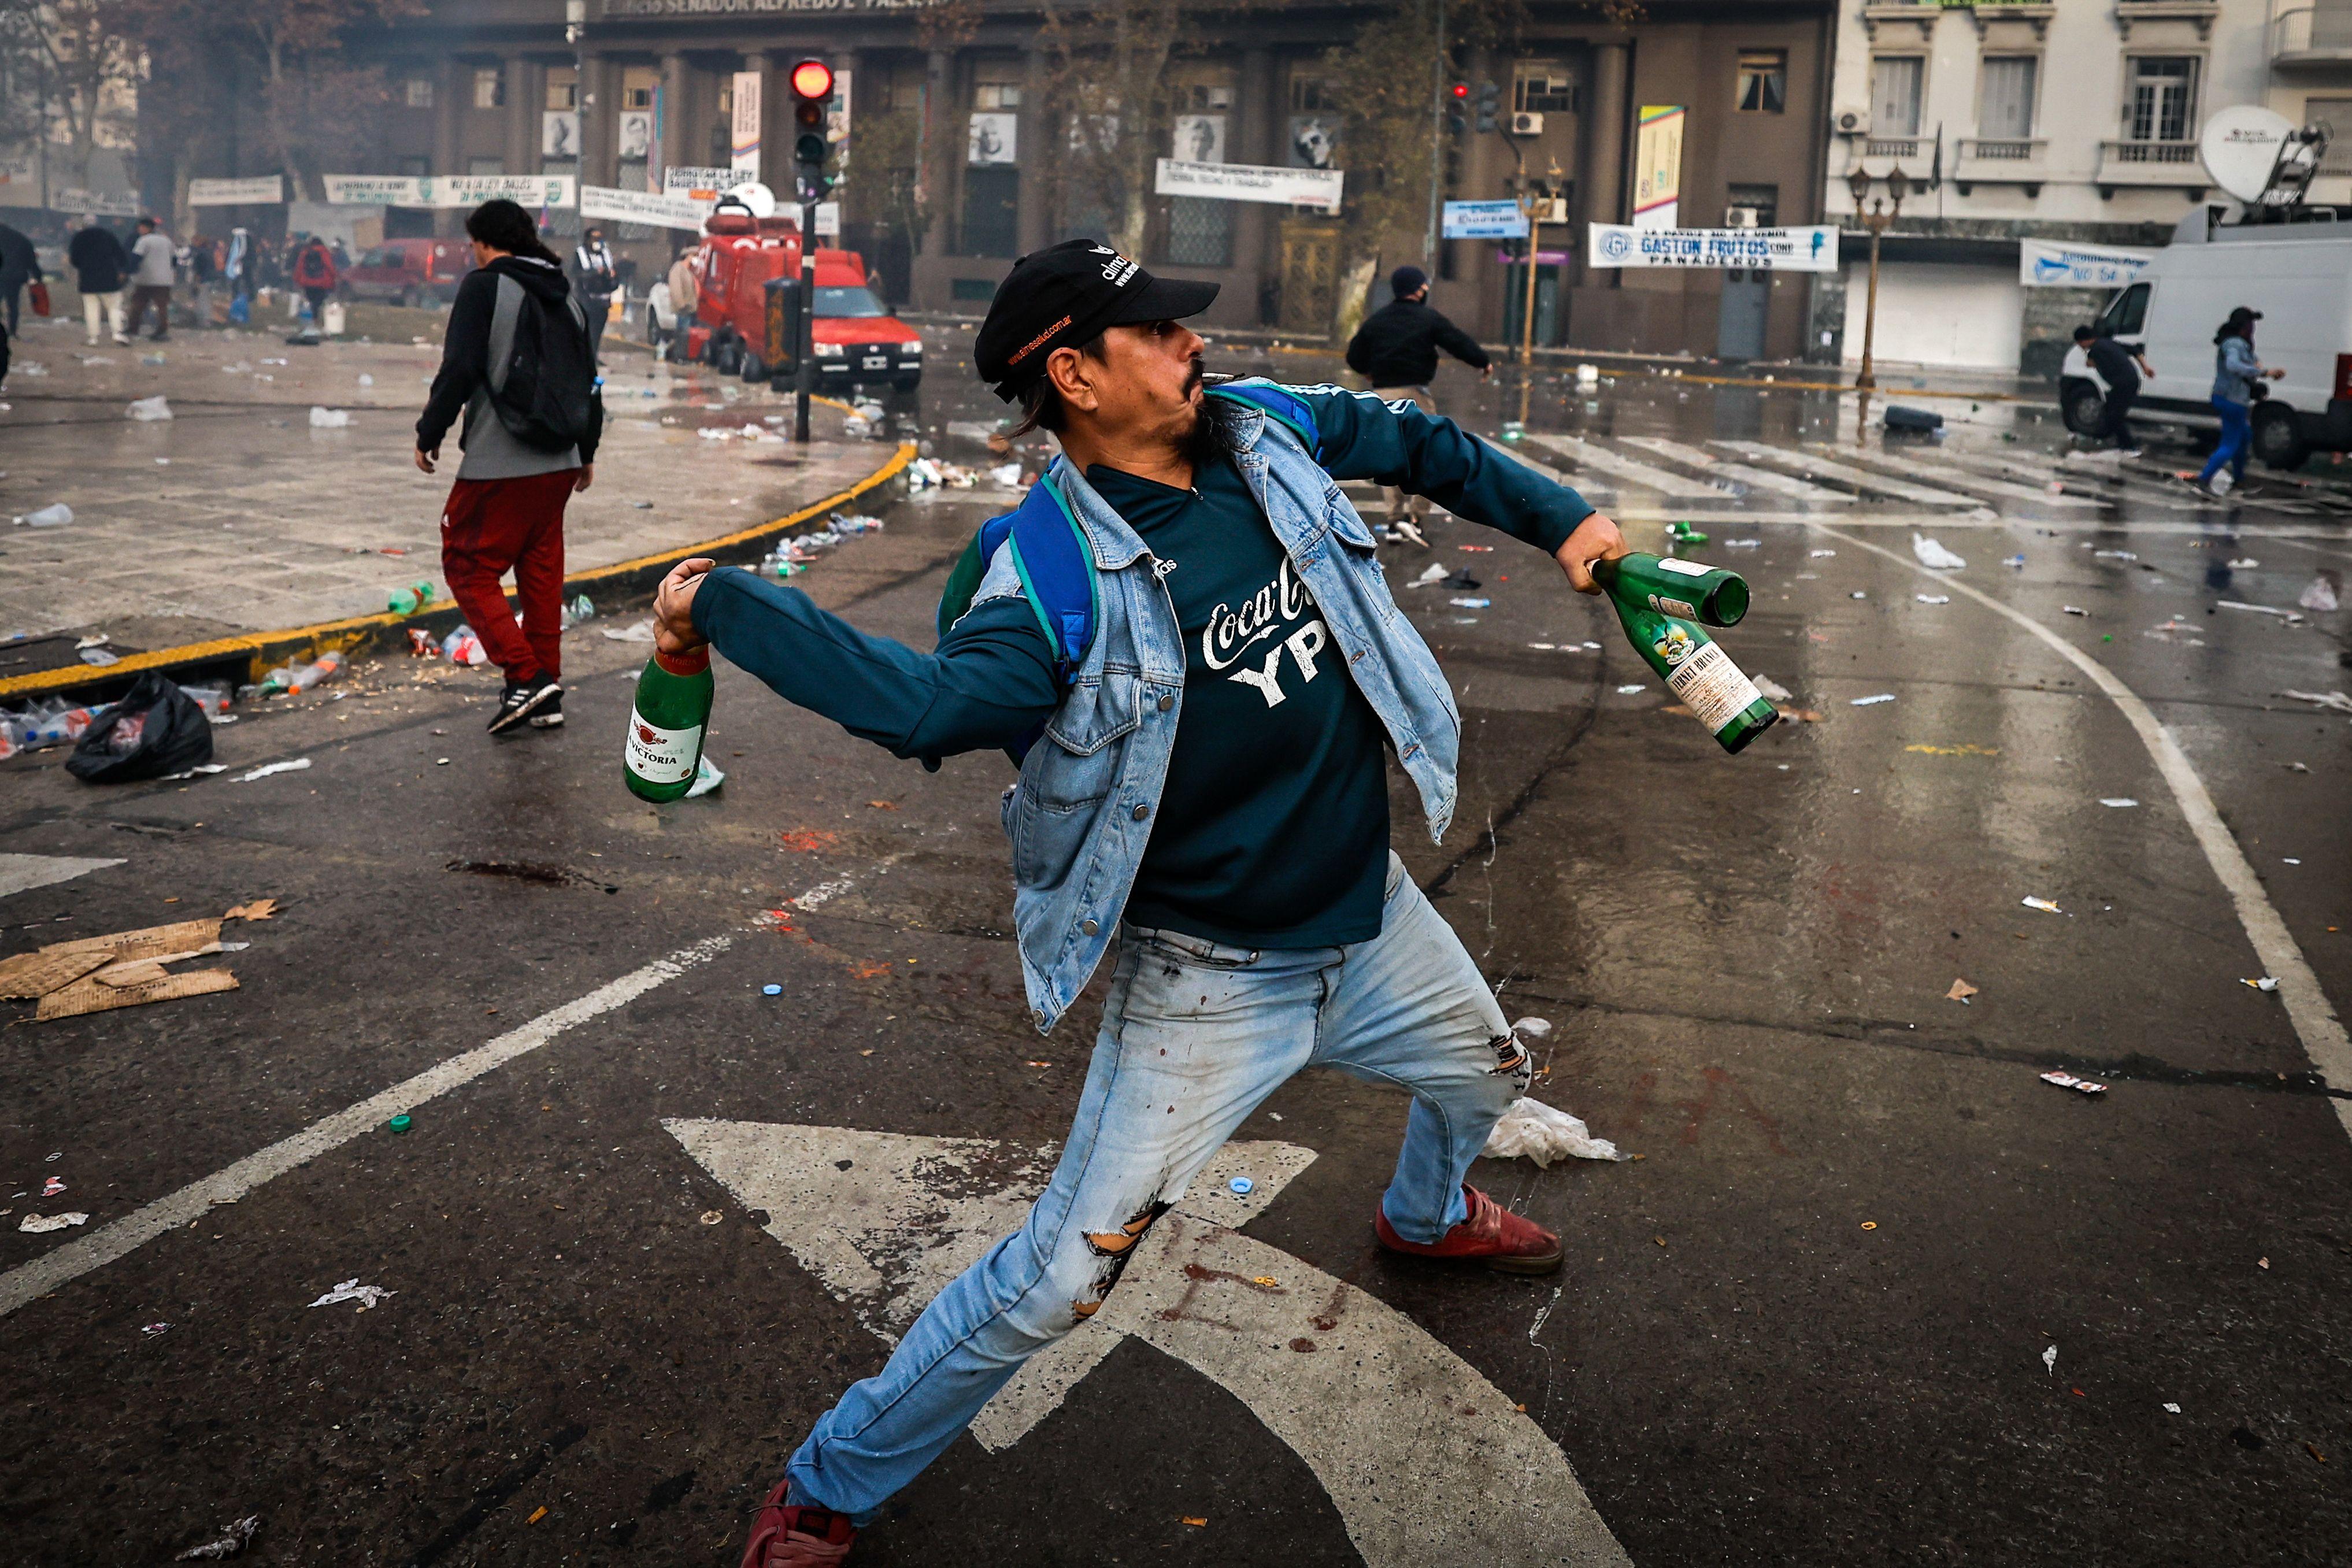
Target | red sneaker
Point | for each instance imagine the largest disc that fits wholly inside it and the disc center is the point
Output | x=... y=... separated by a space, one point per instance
x=788 y=1536
x=1492 y=1234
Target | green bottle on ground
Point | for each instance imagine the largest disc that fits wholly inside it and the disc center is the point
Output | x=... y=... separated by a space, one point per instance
x=667 y=725
x=1660 y=604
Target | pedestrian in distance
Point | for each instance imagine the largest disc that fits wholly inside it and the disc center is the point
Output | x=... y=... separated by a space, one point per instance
x=517 y=363
x=596 y=279
x=153 y=255
x=2121 y=368
x=1396 y=350
x=1197 y=659
x=204 y=275
x=99 y=267
x=316 y=275
x=2237 y=384
x=683 y=294
x=20 y=266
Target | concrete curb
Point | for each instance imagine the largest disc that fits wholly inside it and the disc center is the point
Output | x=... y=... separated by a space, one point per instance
x=248 y=657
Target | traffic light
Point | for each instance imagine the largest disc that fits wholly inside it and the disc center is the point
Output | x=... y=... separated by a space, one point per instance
x=1490 y=107
x=1457 y=99
x=812 y=84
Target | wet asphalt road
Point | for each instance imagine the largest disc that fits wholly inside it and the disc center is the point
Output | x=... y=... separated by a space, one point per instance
x=1808 y=1324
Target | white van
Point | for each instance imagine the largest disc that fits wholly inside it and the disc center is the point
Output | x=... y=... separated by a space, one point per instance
x=2298 y=274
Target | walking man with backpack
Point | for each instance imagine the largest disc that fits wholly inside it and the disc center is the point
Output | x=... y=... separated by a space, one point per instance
x=517 y=362
x=100 y=265
x=315 y=276
x=1185 y=636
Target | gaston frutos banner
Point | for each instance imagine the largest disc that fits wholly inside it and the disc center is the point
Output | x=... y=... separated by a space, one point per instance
x=1814 y=249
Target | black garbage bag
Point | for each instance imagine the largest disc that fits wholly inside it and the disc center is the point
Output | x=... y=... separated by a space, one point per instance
x=155 y=730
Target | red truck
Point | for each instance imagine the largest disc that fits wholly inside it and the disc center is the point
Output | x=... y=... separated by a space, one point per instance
x=858 y=344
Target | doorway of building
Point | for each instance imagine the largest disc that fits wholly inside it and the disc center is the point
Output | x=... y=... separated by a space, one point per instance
x=1740 y=323
x=1550 y=326
x=1311 y=262
x=991 y=211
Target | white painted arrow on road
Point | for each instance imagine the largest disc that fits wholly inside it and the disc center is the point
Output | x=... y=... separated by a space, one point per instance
x=1425 y=1459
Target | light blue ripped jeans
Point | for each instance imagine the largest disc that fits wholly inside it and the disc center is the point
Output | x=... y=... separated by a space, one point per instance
x=1194 y=1036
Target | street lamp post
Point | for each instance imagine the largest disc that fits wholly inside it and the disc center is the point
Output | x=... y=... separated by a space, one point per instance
x=1876 y=219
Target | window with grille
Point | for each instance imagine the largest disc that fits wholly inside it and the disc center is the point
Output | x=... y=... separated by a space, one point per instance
x=490 y=88
x=2336 y=114
x=1200 y=232
x=2163 y=102
x=2005 y=102
x=1543 y=87
x=637 y=97
x=1763 y=80
x=418 y=93
x=996 y=95
x=1310 y=93
x=1894 y=83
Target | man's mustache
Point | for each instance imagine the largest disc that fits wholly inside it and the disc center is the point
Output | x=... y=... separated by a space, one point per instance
x=1192 y=378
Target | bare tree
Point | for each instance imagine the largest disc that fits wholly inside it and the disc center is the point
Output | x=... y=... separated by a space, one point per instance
x=1383 y=81
x=1106 y=101
x=87 y=57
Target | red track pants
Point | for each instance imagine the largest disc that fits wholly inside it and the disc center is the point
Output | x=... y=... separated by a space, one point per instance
x=490 y=526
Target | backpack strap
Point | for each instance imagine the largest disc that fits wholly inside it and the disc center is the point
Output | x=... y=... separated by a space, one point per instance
x=504 y=316
x=1054 y=564
x=1279 y=405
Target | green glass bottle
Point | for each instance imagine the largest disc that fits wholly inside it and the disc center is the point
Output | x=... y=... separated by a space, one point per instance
x=667 y=725
x=1693 y=665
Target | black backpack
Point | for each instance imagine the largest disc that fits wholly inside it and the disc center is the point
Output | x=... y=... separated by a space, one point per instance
x=545 y=391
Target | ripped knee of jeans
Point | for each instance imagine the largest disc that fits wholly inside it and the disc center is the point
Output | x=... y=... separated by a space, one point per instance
x=1113 y=1248
x=1511 y=1061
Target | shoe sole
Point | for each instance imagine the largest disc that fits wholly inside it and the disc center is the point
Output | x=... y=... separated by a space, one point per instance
x=1545 y=1263
x=507 y=721
x=546 y=720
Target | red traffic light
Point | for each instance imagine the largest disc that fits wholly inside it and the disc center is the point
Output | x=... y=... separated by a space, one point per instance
x=1461 y=89
x=813 y=79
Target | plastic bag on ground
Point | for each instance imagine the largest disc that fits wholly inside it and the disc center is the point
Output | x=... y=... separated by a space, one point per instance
x=330 y=418
x=56 y=515
x=1543 y=1134
x=170 y=735
x=2323 y=592
x=149 y=409
x=1931 y=554
x=462 y=647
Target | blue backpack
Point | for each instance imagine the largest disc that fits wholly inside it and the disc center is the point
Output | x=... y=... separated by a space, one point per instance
x=1050 y=550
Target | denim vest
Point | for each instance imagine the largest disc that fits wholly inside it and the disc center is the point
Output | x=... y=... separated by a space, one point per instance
x=1082 y=811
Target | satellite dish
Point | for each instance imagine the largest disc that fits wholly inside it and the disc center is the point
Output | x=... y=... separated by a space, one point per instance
x=761 y=201
x=2241 y=147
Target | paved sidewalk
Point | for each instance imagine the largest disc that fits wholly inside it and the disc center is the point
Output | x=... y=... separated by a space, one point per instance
x=236 y=515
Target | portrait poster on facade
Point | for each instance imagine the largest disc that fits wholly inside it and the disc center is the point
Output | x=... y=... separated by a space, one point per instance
x=836 y=113
x=1200 y=138
x=634 y=134
x=1658 y=167
x=559 y=133
x=1314 y=139
x=745 y=158
x=992 y=137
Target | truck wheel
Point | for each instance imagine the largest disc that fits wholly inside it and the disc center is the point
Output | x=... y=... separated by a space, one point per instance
x=2278 y=438
x=753 y=368
x=2083 y=406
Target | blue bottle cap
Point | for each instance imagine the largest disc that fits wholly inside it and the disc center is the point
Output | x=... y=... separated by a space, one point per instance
x=771 y=990
x=1243 y=1185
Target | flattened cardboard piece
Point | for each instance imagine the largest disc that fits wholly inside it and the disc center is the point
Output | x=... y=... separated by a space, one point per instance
x=152 y=942
x=137 y=972
x=87 y=996
x=30 y=975
x=259 y=909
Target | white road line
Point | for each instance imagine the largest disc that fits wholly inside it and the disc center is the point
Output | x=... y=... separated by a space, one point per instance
x=30 y=1281
x=2088 y=483
x=2308 y=1007
x=1754 y=478
x=1862 y=479
x=21 y=874
x=1582 y=454
x=1960 y=478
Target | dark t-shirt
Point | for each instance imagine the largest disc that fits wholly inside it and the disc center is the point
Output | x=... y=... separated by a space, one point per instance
x=1274 y=823
x=2114 y=363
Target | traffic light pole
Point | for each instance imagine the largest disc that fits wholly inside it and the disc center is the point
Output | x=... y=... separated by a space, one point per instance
x=805 y=351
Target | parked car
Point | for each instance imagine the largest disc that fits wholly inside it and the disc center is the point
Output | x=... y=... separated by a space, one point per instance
x=2297 y=274
x=857 y=341
x=410 y=271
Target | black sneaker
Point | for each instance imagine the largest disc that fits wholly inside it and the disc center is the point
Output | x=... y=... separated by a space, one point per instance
x=549 y=714
x=519 y=701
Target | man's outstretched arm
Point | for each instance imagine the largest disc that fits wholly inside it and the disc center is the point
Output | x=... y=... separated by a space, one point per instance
x=990 y=682
x=1428 y=455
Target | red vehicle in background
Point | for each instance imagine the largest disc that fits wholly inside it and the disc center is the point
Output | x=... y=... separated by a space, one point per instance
x=410 y=271
x=858 y=344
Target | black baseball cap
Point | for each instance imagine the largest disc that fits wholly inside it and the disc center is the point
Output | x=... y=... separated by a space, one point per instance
x=1063 y=295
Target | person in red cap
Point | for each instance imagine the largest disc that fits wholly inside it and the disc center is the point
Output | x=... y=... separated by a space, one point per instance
x=1203 y=723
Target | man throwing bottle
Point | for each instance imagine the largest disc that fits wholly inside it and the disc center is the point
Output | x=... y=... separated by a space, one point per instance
x=1203 y=729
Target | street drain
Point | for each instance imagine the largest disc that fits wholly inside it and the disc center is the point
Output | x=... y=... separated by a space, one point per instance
x=532 y=870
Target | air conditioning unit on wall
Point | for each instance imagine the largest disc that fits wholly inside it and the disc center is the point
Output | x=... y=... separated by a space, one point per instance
x=1526 y=122
x=1851 y=122
x=1739 y=217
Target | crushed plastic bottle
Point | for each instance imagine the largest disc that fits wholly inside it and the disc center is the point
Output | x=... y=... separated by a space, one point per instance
x=213 y=700
x=149 y=409
x=410 y=599
x=56 y=515
x=462 y=647
x=576 y=610
x=330 y=418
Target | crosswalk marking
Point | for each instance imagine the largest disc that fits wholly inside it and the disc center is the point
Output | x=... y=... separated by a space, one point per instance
x=1740 y=473
x=1961 y=479
x=1809 y=464
x=1580 y=455
x=2089 y=484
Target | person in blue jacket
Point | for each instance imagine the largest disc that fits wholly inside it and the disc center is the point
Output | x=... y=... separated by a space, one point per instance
x=1203 y=738
x=2235 y=373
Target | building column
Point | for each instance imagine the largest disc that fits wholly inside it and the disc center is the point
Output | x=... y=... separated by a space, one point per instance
x=942 y=144
x=676 y=145
x=847 y=62
x=775 y=126
x=593 y=98
x=524 y=95
x=1033 y=223
x=1602 y=181
x=453 y=92
x=1255 y=114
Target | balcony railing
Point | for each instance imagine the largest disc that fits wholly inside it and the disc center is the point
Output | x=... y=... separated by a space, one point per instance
x=1892 y=147
x=2148 y=152
x=2001 y=149
x=2169 y=165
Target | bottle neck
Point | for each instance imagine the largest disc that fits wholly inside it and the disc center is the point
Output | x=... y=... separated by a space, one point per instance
x=693 y=663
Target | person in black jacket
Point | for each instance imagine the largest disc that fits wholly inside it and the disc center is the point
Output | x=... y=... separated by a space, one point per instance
x=100 y=263
x=19 y=266
x=1396 y=350
x=506 y=509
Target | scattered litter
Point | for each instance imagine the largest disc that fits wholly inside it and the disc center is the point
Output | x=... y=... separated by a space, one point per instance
x=1007 y=476
x=2128 y=555
x=640 y=632
x=1243 y=1185
x=2072 y=610
x=771 y=990
x=537 y=1514
x=462 y=646
x=1196 y=1522
x=231 y=1541
x=1857 y=594
x=259 y=909
x=330 y=418
x=2170 y=1408
x=297 y=766
x=2258 y=608
x=2326 y=593
x=2043 y=904
x=1867 y=701
x=1743 y=544
x=367 y=1296
x=1933 y=598
x=366 y=380
x=1543 y=1134
x=148 y=410
x=2267 y=983
x=1960 y=992
x=151 y=1330
x=711 y=1217
x=1772 y=690
x=2017 y=560
x=2049 y=1360
x=2065 y=1080
x=2335 y=702
x=54 y=1186
x=1631 y=691
x=1533 y=1028
x=2244 y=563
x=578 y=609
x=1821 y=554
x=56 y=514
x=2297 y=766
x=2119 y=802
x=1933 y=554
x=1471 y=603
x=399 y=1123
x=42 y=1224
x=708 y=778
x=101 y=657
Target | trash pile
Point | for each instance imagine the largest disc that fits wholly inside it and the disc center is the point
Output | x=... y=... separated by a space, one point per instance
x=127 y=969
x=60 y=722
x=795 y=555
x=934 y=474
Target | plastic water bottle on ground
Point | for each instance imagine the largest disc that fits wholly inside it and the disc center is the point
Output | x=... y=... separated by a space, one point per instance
x=410 y=599
x=577 y=609
x=56 y=515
